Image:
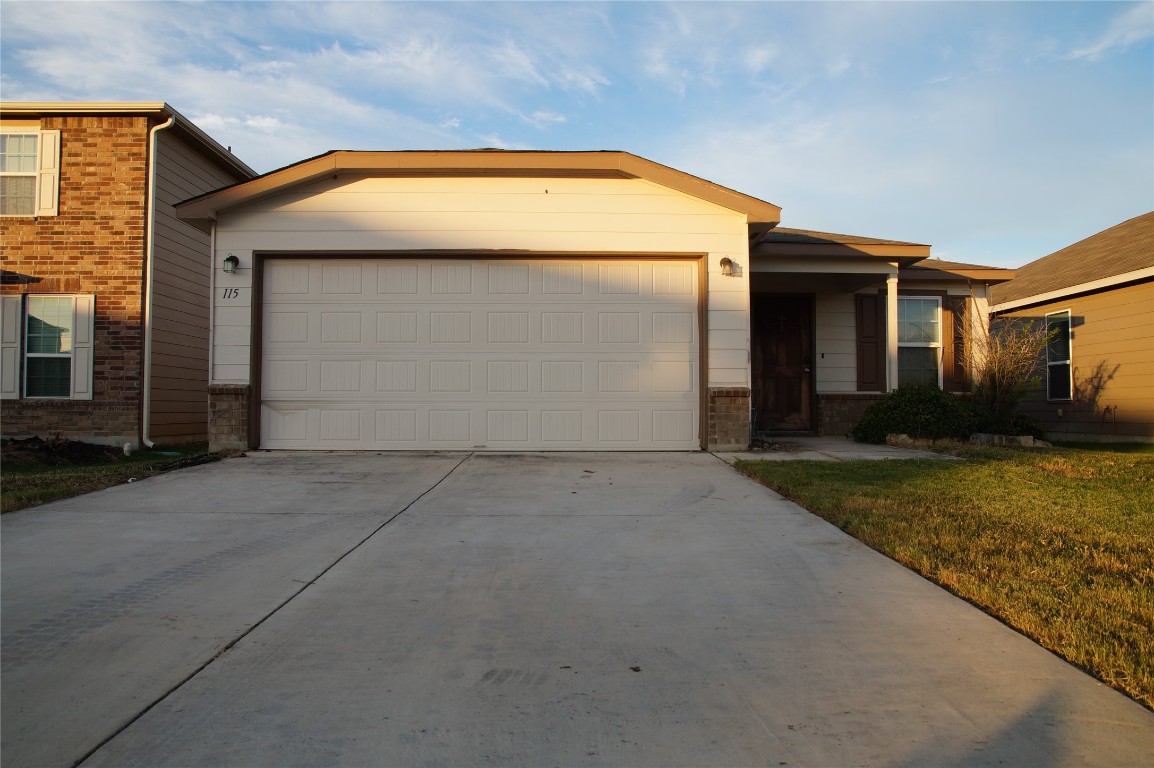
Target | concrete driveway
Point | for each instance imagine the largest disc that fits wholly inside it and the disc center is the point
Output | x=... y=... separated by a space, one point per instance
x=547 y=609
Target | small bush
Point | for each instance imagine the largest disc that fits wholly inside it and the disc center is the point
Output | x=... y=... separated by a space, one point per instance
x=922 y=411
x=1025 y=424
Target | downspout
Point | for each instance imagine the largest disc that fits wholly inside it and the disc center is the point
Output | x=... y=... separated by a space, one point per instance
x=149 y=252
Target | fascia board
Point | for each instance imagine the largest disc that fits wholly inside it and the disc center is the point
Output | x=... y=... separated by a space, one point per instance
x=831 y=266
x=38 y=108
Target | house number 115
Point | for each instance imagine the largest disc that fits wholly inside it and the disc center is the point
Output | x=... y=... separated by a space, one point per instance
x=231 y=293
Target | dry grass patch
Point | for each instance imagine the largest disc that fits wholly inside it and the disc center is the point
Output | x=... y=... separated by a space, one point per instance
x=1057 y=543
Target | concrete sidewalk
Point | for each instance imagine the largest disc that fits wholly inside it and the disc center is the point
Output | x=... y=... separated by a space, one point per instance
x=542 y=609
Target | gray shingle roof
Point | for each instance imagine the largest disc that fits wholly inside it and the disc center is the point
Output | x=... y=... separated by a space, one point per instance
x=1127 y=247
x=787 y=235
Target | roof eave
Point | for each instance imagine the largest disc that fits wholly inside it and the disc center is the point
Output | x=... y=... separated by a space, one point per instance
x=761 y=215
x=1059 y=294
x=905 y=254
x=989 y=276
x=158 y=109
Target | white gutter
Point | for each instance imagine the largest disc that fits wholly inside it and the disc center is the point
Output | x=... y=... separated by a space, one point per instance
x=150 y=249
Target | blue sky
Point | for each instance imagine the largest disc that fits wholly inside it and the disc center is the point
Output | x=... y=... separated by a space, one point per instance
x=998 y=132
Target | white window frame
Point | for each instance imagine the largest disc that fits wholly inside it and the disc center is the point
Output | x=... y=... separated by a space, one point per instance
x=1052 y=363
x=13 y=329
x=46 y=189
x=935 y=345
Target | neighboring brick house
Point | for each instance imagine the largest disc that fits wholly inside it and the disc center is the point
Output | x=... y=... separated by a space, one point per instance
x=105 y=293
x=1097 y=298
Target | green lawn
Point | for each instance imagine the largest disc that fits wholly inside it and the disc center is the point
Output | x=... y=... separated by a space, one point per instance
x=26 y=481
x=1057 y=543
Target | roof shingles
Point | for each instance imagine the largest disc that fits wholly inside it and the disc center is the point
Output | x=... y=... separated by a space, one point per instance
x=1127 y=247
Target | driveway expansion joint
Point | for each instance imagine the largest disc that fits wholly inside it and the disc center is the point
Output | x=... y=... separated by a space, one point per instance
x=276 y=609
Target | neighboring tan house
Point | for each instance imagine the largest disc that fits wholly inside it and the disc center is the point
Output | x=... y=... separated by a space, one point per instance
x=1097 y=298
x=105 y=293
x=512 y=300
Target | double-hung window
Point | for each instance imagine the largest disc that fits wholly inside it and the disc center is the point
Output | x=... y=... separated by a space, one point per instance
x=47 y=347
x=29 y=173
x=919 y=340
x=1059 y=372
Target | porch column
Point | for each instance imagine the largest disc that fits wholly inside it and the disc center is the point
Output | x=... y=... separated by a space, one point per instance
x=892 y=332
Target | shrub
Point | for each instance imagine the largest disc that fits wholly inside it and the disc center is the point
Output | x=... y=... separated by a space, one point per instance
x=922 y=411
x=1025 y=424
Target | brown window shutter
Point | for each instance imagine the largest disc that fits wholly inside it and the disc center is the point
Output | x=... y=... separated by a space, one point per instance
x=955 y=335
x=871 y=342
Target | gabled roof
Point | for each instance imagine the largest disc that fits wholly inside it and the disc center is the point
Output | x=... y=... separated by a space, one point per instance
x=1119 y=254
x=157 y=109
x=760 y=215
x=783 y=241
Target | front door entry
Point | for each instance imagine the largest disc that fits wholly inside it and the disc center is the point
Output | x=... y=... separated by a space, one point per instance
x=782 y=362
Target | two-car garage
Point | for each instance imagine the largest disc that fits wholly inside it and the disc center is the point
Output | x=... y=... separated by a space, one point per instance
x=480 y=300
x=554 y=354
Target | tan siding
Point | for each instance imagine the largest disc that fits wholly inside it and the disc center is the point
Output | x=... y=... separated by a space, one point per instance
x=1113 y=355
x=182 y=270
x=835 y=349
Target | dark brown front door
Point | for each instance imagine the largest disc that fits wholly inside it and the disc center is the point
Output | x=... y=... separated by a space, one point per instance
x=782 y=361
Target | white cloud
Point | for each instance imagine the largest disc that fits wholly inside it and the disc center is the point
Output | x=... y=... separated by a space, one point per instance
x=1128 y=28
x=943 y=122
x=542 y=118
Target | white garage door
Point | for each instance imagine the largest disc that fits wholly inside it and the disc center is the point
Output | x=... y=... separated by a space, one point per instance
x=481 y=354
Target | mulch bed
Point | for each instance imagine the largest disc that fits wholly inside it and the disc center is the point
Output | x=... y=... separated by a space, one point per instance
x=56 y=452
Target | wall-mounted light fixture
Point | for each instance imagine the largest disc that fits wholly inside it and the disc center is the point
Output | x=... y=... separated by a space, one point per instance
x=727 y=265
x=231 y=262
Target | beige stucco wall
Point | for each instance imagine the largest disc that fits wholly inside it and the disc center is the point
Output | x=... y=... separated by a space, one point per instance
x=378 y=216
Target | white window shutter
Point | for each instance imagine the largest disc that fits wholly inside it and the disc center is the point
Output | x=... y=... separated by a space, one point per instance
x=11 y=335
x=82 y=332
x=48 y=174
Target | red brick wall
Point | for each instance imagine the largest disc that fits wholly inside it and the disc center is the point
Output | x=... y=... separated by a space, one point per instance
x=838 y=414
x=95 y=245
x=728 y=418
x=228 y=417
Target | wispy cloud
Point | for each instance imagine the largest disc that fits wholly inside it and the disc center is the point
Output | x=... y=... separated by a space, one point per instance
x=1129 y=27
x=541 y=118
x=931 y=121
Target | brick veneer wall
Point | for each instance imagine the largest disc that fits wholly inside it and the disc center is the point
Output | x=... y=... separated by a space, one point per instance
x=94 y=246
x=728 y=419
x=228 y=417
x=839 y=413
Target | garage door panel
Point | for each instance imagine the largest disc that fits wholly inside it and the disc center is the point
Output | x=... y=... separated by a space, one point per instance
x=501 y=354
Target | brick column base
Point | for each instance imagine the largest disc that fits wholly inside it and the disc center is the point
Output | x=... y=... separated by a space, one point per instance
x=728 y=419
x=838 y=414
x=228 y=407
